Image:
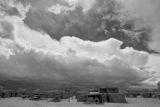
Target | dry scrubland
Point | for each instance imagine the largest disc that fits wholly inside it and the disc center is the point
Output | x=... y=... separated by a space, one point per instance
x=132 y=102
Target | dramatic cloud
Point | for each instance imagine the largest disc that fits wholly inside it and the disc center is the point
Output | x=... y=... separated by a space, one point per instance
x=28 y=50
x=71 y=59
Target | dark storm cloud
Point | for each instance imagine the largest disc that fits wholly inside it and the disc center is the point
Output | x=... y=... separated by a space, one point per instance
x=147 y=11
x=101 y=21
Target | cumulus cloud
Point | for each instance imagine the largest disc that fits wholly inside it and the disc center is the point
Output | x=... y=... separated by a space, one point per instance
x=153 y=66
x=33 y=55
x=78 y=61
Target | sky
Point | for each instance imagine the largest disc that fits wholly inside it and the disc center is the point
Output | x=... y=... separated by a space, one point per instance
x=81 y=41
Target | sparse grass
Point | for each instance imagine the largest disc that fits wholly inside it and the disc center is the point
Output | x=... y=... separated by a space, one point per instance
x=132 y=102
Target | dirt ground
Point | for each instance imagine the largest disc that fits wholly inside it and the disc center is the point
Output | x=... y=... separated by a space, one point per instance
x=132 y=102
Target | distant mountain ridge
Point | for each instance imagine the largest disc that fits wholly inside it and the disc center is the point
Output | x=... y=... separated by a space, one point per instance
x=22 y=84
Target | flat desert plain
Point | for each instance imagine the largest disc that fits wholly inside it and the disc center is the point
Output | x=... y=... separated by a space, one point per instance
x=132 y=102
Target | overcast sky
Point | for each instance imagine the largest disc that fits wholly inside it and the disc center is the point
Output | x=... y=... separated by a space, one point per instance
x=87 y=41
